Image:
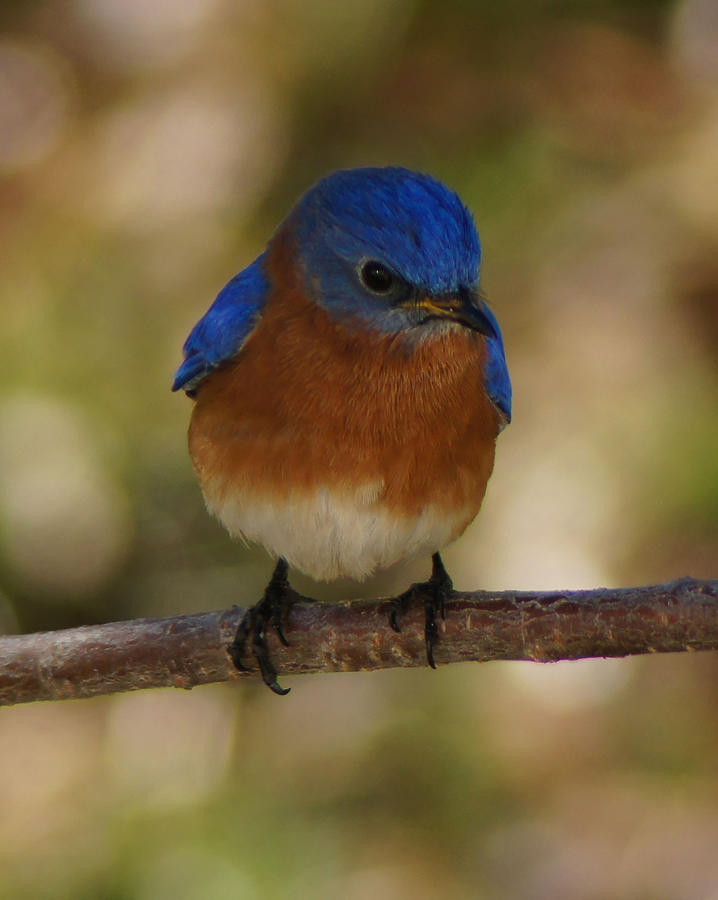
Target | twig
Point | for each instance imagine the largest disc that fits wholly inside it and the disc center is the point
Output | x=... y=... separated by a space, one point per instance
x=184 y=651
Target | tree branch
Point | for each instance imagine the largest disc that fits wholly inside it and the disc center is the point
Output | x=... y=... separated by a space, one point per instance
x=184 y=651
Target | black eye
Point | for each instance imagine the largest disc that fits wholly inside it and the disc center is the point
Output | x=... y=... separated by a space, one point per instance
x=377 y=277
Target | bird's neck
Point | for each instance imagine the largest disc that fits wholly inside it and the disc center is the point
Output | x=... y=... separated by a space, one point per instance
x=424 y=360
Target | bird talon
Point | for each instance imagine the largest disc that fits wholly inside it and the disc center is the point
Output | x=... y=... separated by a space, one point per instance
x=237 y=647
x=236 y=658
x=435 y=592
x=269 y=611
x=280 y=633
x=277 y=688
x=269 y=673
x=397 y=607
x=431 y=633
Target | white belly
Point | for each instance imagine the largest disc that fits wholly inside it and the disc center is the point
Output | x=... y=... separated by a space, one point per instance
x=329 y=535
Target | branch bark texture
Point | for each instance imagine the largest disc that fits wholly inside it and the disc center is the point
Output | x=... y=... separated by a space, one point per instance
x=184 y=651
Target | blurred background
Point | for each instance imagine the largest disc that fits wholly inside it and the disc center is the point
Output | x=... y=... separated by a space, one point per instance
x=147 y=151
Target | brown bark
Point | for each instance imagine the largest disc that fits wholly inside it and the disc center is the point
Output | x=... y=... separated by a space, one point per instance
x=184 y=651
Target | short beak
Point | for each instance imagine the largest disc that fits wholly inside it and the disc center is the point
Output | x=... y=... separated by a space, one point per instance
x=464 y=307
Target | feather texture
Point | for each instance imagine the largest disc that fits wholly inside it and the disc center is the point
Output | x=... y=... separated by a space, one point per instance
x=341 y=448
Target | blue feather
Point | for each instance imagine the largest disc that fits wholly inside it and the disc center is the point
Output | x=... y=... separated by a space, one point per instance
x=496 y=372
x=224 y=328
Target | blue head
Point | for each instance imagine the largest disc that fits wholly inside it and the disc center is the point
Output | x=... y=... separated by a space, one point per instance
x=390 y=247
x=399 y=251
x=376 y=243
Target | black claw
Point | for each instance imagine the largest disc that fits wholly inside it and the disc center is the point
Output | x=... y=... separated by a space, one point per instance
x=236 y=648
x=397 y=608
x=434 y=593
x=431 y=632
x=269 y=673
x=269 y=611
x=280 y=634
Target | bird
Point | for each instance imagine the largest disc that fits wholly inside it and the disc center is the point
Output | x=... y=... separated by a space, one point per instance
x=349 y=386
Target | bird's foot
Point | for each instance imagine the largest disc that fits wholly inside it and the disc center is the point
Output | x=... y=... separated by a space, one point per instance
x=434 y=594
x=270 y=610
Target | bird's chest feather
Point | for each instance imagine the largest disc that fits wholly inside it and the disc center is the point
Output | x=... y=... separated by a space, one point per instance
x=319 y=437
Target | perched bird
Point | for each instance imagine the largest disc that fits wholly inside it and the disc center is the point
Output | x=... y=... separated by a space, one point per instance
x=350 y=385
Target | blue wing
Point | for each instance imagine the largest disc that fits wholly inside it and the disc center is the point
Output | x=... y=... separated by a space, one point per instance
x=226 y=325
x=496 y=373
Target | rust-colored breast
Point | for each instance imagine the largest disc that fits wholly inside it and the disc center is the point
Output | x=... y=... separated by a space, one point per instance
x=310 y=403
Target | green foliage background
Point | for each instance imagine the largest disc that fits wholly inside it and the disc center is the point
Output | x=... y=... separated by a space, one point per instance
x=147 y=150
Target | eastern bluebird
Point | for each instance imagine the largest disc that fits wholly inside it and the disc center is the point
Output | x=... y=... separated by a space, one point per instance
x=350 y=385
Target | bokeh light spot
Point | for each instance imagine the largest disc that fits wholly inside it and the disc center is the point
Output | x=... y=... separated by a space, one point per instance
x=64 y=523
x=35 y=103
